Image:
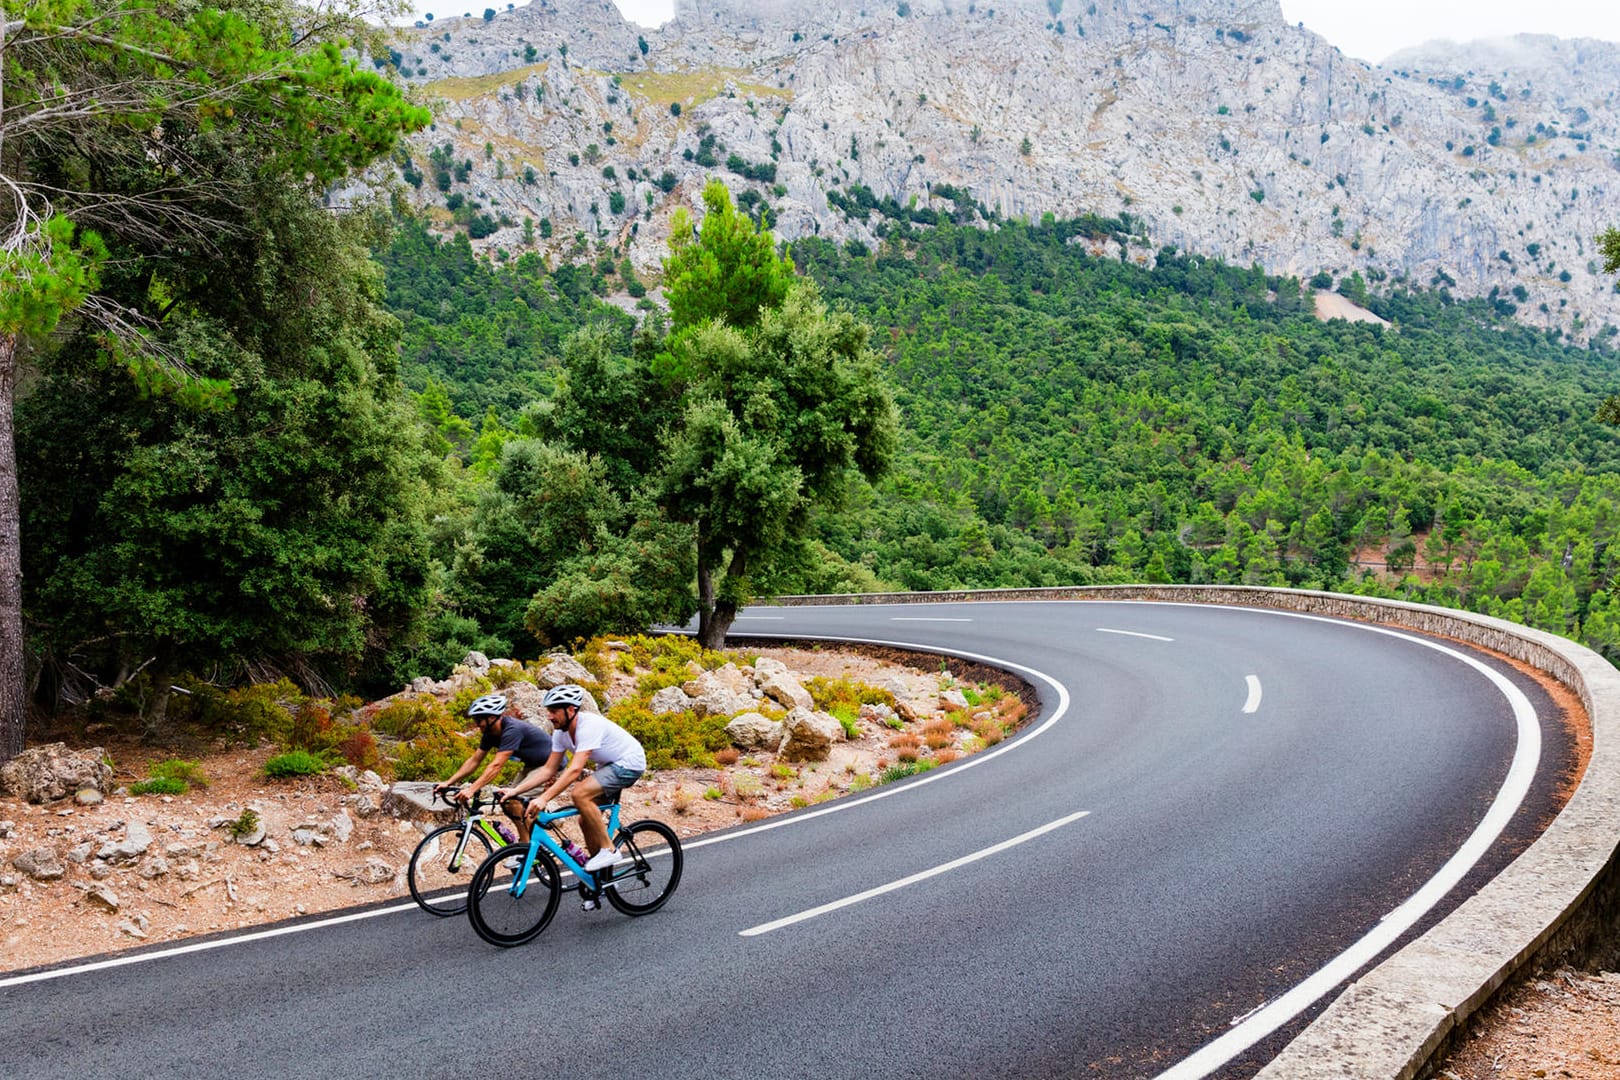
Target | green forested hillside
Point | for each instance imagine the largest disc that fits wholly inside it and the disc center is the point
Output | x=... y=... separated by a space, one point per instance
x=1071 y=419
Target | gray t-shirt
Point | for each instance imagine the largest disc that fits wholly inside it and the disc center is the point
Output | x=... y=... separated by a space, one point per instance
x=527 y=743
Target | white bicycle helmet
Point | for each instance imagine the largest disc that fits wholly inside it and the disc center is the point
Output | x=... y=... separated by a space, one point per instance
x=564 y=695
x=488 y=705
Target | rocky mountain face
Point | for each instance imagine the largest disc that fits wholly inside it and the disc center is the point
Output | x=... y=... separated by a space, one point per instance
x=1217 y=126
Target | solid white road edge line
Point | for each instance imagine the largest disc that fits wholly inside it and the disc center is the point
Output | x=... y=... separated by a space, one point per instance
x=924 y=875
x=1133 y=633
x=1253 y=704
x=1515 y=786
x=842 y=804
x=201 y=946
x=902 y=618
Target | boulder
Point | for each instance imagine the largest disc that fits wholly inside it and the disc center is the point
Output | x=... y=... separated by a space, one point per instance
x=808 y=735
x=155 y=867
x=753 y=731
x=561 y=668
x=524 y=698
x=362 y=779
x=101 y=896
x=913 y=708
x=952 y=700
x=475 y=662
x=88 y=797
x=765 y=667
x=671 y=699
x=412 y=800
x=41 y=864
x=45 y=773
x=876 y=713
x=137 y=838
x=721 y=692
x=785 y=689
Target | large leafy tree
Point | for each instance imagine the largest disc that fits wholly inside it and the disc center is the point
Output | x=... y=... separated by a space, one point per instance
x=283 y=524
x=138 y=143
x=777 y=405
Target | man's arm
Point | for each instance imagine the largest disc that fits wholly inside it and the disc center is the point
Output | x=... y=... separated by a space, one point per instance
x=491 y=771
x=576 y=767
x=466 y=767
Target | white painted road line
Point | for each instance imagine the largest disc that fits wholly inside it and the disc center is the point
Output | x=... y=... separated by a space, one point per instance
x=1515 y=786
x=919 y=618
x=759 y=618
x=1253 y=704
x=202 y=946
x=1133 y=633
x=804 y=916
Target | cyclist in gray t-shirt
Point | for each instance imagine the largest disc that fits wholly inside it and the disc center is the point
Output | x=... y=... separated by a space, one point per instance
x=509 y=738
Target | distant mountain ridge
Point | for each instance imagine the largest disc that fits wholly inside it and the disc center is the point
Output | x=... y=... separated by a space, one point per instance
x=1218 y=127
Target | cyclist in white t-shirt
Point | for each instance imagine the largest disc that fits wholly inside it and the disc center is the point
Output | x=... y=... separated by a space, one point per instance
x=585 y=736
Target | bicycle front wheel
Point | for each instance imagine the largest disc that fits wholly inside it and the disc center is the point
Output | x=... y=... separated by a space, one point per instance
x=441 y=867
x=501 y=912
x=654 y=853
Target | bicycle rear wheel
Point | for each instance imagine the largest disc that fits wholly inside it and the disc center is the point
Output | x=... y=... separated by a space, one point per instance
x=438 y=875
x=655 y=854
x=498 y=913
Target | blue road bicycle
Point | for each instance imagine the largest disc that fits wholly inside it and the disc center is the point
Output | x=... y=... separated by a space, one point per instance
x=510 y=906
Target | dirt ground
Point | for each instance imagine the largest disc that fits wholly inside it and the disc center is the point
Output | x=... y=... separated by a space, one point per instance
x=324 y=850
x=326 y=846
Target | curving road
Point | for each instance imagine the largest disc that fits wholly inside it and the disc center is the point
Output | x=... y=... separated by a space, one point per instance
x=1213 y=804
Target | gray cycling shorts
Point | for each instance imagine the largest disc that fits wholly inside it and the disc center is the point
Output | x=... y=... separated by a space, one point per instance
x=616 y=778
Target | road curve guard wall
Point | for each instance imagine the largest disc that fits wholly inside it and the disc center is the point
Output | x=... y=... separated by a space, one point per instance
x=1554 y=901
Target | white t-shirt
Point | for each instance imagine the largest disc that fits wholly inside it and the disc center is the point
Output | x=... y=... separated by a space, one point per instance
x=608 y=743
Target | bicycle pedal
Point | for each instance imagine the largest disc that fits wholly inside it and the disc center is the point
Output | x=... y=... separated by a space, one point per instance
x=591 y=904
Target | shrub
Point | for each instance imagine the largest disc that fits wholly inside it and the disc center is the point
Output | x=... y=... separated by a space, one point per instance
x=903 y=770
x=261 y=711
x=188 y=773
x=359 y=748
x=831 y=694
x=435 y=751
x=312 y=727
x=405 y=718
x=675 y=739
x=246 y=823
x=727 y=757
x=160 y=785
x=296 y=763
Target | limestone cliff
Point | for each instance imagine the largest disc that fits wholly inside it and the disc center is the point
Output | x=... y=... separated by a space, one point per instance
x=1218 y=126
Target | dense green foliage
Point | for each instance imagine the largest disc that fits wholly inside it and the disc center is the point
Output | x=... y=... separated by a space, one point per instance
x=1068 y=419
x=218 y=465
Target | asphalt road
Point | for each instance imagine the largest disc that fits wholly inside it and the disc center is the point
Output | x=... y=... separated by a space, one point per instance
x=1213 y=804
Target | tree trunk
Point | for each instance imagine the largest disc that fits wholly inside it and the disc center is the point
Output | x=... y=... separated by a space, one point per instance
x=713 y=624
x=13 y=663
x=715 y=615
x=157 y=731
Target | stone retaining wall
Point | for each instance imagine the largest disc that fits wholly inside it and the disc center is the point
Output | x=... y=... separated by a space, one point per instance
x=1553 y=902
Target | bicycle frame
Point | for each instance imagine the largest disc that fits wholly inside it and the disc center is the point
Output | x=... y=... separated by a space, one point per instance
x=540 y=836
x=477 y=819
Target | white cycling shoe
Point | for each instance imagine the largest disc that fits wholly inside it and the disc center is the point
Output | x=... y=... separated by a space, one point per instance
x=602 y=859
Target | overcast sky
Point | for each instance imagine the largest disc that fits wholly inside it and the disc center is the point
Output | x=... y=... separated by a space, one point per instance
x=1366 y=29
